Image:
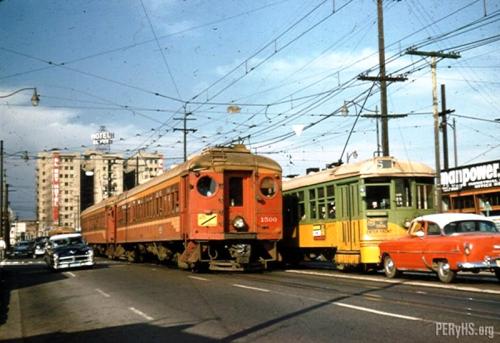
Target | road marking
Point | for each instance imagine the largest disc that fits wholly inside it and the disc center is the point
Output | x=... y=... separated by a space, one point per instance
x=142 y=314
x=401 y=282
x=420 y=292
x=70 y=274
x=198 y=278
x=388 y=314
x=252 y=288
x=103 y=293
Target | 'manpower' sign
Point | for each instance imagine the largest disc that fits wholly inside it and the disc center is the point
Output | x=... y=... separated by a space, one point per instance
x=482 y=175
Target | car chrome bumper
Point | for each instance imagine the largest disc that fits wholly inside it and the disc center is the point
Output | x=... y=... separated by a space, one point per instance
x=72 y=262
x=479 y=265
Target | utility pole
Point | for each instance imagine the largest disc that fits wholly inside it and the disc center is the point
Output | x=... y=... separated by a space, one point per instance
x=185 y=130
x=377 y=118
x=382 y=78
x=137 y=169
x=434 y=55
x=444 y=125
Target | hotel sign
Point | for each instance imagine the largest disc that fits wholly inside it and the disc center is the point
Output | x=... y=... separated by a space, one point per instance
x=483 y=175
x=102 y=138
x=56 y=164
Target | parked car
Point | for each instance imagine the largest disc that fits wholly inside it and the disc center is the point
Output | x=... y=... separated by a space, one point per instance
x=22 y=249
x=68 y=251
x=40 y=246
x=445 y=243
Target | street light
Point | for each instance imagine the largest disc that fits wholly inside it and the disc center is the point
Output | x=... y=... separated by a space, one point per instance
x=35 y=98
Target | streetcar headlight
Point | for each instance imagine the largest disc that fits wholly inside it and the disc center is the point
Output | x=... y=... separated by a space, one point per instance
x=239 y=223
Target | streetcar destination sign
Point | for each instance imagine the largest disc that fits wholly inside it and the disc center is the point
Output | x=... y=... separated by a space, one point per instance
x=483 y=175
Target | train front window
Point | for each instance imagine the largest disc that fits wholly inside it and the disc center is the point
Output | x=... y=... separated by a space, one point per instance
x=268 y=187
x=377 y=197
x=403 y=193
x=236 y=191
x=206 y=186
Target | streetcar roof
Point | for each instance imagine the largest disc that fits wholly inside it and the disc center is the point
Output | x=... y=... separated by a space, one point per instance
x=374 y=167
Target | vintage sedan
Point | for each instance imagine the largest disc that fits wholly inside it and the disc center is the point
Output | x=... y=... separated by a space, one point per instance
x=22 y=249
x=68 y=251
x=446 y=244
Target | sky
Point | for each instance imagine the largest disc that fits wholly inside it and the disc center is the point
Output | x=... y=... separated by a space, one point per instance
x=139 y=66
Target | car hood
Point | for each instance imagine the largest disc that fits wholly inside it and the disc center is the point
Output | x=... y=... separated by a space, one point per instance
x=75 y=249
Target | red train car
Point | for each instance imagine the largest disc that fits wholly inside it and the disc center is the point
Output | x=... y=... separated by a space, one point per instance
x=220 y=209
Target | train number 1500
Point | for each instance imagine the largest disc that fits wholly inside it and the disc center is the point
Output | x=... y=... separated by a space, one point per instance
x=269 y=219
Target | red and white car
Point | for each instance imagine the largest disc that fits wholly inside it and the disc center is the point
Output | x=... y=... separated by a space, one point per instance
x=445 y=243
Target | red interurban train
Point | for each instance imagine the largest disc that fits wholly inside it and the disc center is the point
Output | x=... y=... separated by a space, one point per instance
x=221 y=209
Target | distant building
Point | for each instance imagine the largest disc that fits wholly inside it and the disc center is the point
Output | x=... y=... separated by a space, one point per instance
x=68 y=183
x=141 y=167
x=22 y=230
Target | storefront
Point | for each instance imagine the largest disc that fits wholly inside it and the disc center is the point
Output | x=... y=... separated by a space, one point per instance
x=472 y=189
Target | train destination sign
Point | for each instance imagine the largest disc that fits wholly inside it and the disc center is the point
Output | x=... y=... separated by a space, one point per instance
x=483 y=175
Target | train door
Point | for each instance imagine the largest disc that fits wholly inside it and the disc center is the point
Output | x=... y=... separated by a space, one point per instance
x=111 y=224
x=238 y=201
x=348 y=216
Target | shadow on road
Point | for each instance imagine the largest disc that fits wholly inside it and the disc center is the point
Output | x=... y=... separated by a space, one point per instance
x=142 y=332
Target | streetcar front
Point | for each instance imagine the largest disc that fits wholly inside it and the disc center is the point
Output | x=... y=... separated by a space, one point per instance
x=233 y=210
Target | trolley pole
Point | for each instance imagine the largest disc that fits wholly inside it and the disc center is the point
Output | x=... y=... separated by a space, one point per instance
x=434 y=55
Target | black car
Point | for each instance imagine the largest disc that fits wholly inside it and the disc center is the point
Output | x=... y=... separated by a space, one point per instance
x=22 y=249
x=68 y=251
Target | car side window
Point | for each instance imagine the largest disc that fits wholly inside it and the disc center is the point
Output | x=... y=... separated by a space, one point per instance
x=433 y=229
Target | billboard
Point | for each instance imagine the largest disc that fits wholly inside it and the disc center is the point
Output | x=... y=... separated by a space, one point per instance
x=475 y=176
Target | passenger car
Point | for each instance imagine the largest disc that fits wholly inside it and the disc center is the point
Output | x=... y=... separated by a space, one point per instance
x=68 y=251
x=22 y=249
x=445 y=243
x=40 y=246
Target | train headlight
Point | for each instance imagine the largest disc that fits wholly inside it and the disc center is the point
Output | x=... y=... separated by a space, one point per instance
x=239 y=223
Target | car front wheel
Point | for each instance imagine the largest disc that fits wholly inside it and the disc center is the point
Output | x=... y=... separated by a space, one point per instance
x=390 y=267
x=445 y=274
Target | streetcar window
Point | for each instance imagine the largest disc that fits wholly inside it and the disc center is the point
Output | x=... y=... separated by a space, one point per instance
x=377 y=197
x=312 y=210
x=206 y=186
x=321 y=192
x=236 y=191
x=403 y=193
x=330 y=191
x=268 y=187
x=331 y=209
x=322 y=209
x=312 y=194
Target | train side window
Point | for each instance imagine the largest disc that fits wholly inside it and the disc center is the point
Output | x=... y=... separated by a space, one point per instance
x=302 y=211
x=236 y=191
x=206 y=186
x=312 y=210
x=312 y=194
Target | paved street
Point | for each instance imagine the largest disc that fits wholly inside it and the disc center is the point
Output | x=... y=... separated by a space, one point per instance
x=143 y=302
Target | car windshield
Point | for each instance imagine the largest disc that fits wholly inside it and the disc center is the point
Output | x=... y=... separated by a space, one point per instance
x=68 y=241
x=470 y=226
